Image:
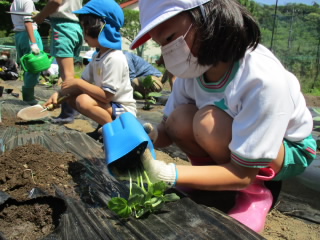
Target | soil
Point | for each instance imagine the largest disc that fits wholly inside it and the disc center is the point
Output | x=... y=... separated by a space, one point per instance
x=33 y=167
x=27 y=170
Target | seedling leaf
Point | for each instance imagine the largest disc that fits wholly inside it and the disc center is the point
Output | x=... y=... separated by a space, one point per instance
x=142 y=212
x=137 y=190
x=136 y=199
x=154 y=94
x=170 y=197
x=151 y=101
x=120 y=206
x=157 y=189
x=140 y=201
x=147 y=82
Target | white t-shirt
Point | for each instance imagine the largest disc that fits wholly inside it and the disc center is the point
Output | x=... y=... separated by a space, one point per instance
x=110 y=71
x=261 y=96
x=66 y=9
x=19 y=20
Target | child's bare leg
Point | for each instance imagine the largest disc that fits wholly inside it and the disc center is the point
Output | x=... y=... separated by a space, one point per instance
x=213 y=132
x=66 y=68
x=97 y=111
x=201 y=133
x=179 y=127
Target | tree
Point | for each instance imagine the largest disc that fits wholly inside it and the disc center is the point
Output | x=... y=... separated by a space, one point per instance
x=250 y=5
x=131 y=28
x=315 y=18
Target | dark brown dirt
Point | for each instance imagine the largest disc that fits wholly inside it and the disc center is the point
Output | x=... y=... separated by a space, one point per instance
x=31 y=219
x=32 y=167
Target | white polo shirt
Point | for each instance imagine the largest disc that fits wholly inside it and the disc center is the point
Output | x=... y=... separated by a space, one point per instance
x=110 y=71
x=19 y=20
x=261 y=96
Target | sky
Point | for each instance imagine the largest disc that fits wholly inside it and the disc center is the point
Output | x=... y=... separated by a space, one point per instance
x=284 y=2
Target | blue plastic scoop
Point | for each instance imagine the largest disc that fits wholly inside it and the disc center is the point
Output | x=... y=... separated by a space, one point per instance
x=125 y=140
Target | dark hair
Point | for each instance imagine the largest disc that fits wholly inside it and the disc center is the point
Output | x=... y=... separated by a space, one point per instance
x=226 y=31
x=92 y=24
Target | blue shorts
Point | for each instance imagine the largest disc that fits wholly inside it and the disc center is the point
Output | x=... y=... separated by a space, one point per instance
x=298 y=156
x=66 y=38
x=117 y=110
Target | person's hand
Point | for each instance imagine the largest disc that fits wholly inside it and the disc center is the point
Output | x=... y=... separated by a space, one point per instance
x=70 y=83
x=52 y=101
x=151 y=131
x=37 y=18
x=4 y=68
x=72 y=86
x=34 y=48
x=158 y=170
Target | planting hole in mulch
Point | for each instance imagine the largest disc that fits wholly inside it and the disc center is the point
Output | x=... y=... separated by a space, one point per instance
x=32 y=219
x=33 y=168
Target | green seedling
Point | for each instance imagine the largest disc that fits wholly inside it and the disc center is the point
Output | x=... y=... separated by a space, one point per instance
x=149 y=96
x=52 y=80
x=142 y=201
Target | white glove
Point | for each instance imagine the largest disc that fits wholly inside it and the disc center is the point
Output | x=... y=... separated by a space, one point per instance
x=34 y=48
x=151 y=131
x=158 y=170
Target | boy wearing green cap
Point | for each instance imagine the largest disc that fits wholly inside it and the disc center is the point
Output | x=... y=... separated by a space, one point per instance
x=104 y=92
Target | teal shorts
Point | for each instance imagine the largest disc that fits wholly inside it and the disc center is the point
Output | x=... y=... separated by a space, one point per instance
x=22 y=43
x=66 y=38
x=298 y=156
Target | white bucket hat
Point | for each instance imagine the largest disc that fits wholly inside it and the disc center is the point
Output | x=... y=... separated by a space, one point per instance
x=154 y=12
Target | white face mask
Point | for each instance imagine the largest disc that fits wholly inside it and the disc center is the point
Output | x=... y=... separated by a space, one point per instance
x=179 y=60
x=4 y=57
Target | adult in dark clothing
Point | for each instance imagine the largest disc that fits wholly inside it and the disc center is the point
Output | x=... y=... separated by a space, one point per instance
x=8 y=67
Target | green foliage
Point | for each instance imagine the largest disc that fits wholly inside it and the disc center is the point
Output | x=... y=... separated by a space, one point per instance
x=314 y=92
x=131 y=28
x=147 y=82
x=250 y=5
x=296 y=40
x=141 y=201
x=52 y=80
x=149 y=96
x=6 y=23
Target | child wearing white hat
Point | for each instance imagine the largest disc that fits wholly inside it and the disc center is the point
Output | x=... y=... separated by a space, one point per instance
x=234 y=110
